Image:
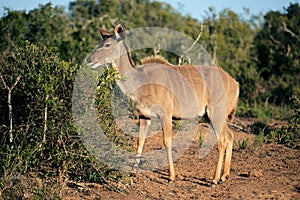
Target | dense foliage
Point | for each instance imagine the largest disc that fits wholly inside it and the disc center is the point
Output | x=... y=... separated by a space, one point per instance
x=44 y=47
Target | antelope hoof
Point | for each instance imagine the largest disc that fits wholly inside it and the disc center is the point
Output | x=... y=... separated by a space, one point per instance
x=136 y=166
x=223 y=179
x=171 y=179
x=135 y=169
x=213 y=185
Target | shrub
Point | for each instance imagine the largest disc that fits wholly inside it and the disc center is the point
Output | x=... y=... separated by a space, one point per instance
x=109 y=94
x=242 y=144
x=45 y=140
x=291 y=133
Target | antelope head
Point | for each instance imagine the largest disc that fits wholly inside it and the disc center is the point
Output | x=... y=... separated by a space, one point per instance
x=109 y=49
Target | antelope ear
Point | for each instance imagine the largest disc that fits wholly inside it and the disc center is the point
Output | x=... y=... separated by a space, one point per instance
x=119 y=32
x=104 y=33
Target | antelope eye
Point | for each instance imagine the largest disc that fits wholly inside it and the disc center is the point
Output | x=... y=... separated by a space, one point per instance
x=107 y=45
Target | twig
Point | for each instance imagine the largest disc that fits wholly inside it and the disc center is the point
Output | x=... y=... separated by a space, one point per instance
x=286 y=29
x=238 y=127
x=197 y=39
x=64 y=146
x=180 y=59
x=45 y=119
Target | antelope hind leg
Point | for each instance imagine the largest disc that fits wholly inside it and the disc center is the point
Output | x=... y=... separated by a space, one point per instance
x=227 y=163
x=221 y=148
x=167 y=137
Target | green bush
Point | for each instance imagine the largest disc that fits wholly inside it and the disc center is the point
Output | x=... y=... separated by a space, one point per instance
x=109 y=94
x=45 y=140
x=264 y=112
x=295 y=119
x=40 y=101
x=289 y=134
x=242 y=144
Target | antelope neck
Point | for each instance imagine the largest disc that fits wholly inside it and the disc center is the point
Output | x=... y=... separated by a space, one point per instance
x=124 y=63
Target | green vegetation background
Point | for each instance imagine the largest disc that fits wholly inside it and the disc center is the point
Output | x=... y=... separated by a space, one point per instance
x=47 y=45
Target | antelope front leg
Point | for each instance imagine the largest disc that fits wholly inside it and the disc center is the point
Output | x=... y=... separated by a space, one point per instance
x=167 y=135
x=144 y=127
x=227 y=163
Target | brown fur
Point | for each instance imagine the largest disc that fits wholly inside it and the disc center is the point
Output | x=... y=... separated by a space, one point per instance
x=210 y=84
x=155 y=59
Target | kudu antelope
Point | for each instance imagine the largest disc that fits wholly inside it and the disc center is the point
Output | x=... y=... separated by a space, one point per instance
x=208 y=94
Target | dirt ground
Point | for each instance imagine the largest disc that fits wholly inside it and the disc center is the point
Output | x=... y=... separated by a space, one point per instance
x=271 y=171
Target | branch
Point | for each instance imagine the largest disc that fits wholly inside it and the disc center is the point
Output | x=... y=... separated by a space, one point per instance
x=180 y=59
x=286 y=29
x=45 y=119
x=14 y=85
x=197 y=39
x=4 y=83
x=238 y=127
x=17 y=80
x=10 y=106
x=274 y=40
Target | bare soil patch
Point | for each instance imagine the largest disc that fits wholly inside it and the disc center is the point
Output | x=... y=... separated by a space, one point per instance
x=271 y=171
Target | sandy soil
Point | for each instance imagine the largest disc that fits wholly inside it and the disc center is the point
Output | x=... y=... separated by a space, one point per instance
x=271 y=171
